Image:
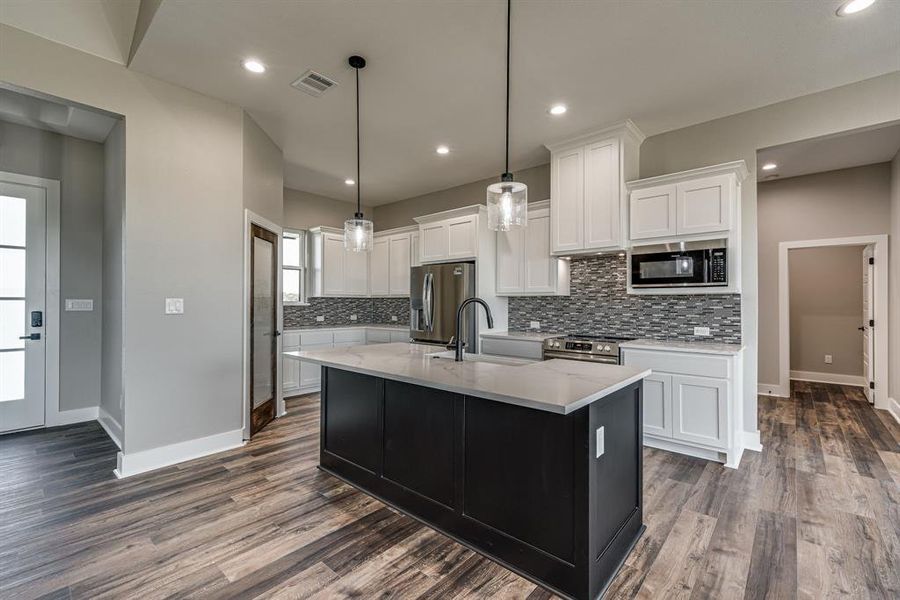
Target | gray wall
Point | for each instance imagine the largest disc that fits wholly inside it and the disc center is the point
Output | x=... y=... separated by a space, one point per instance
x=303 y=210
x=839 y=203
x=263 y=172
x=863 y=104
x=398 y=214
x=826 y=309
x=112 y=365
x=894 y=281
x=78 y=165
x=183 y=183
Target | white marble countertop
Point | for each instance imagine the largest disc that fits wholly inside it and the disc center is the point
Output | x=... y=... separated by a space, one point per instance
x=558 y=386
x=530 y=336
x=682 y=346
x=392 y=326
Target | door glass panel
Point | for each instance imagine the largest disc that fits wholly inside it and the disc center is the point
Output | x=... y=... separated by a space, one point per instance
x=12 y=324
x=12 y=272
x=263 y=321
x=12 y=221
x=12 y=375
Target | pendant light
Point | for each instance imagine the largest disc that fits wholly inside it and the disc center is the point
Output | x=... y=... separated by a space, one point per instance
x=358 y=231
x=507 y=201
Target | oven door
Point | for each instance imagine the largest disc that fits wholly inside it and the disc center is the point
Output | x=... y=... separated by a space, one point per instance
x=608 y=360
x=670 y=269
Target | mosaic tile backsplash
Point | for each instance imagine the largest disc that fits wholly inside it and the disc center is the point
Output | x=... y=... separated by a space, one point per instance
x=600 y=305
x=337 y=312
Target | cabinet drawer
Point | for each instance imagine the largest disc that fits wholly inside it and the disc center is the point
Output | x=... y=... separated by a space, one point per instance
x=679 y=363
x=514 y=348
x=316 y=337
x=349 y=335
x=291 y=340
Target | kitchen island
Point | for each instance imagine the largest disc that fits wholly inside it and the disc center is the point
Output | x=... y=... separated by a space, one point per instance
x=536 y=465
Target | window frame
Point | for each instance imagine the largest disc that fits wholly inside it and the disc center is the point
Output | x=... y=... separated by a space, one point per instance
x=302 y=268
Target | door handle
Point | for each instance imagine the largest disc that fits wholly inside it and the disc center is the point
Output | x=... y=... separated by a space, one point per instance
x=32 y=337
x=863 y=328
x=428 y=301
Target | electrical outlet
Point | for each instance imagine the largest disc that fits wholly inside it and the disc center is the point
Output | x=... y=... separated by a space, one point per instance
x=535 y=325
x=320 y=318
x=352 y=317
x=174 y=306
x=393 y=317
x=702 y=331
x=828 y=359
x=601 y=442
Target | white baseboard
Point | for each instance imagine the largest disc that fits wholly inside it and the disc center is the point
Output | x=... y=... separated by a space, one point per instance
x=70 y=417
x=893 y=407
x=157 y=458
x=113 y=428
x=752 y=441
x=771 y=389
x=836 y=378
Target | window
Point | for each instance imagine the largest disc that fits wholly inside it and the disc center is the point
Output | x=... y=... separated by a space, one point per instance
x=293 y=278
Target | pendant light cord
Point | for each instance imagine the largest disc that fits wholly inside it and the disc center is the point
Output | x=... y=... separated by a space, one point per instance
x=508 y=24
x=358 y=182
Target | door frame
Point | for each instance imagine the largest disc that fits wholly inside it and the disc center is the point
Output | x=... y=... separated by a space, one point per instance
x=879 y=242
x=251 y=218
x=52 y=414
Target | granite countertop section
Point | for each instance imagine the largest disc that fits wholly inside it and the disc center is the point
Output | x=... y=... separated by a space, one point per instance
x=682 y=346
x=557 y=386
x=354 y=326
x=531 y=336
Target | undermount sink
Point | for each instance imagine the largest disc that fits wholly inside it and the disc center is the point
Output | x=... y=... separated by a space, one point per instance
x=467 y=357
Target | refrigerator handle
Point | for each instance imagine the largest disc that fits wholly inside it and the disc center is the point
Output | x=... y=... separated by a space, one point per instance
x=428 y=301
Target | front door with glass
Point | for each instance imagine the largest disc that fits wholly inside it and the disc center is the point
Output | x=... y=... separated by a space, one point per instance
x=23 y=266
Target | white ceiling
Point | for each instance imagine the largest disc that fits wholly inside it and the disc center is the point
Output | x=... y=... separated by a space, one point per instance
x=100 y=27
x=865 y=147
x=435 y=73
x=58 y=117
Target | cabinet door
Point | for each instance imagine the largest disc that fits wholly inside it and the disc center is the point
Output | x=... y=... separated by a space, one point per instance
x=399 y=265
x=704 y=205
x=434 y=242
x=379 y=267
x=602 y=194
x=310 y=374
x=399 y=336
x=700 y=410
x=415 y=259
x=290 y=376
x=511 y=260
x=652 y=212
x=540 y=267
x=378 y=336
x=356 y=273
x=462 y=237
x=658 y=405
x=333 y=264
x=567 y=200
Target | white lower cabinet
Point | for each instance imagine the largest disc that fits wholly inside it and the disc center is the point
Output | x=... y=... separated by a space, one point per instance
x=692 y=403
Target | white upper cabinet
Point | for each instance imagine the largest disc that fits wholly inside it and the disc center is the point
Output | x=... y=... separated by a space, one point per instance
x=688 y=205
x=587 y=189
x=398 y=265
x=524 y=263
x=334 y=271
x=451 y=235
x=389 y=263
x=414 y=257
x=379 y=267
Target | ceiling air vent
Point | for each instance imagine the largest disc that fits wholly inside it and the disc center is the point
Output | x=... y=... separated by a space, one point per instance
x=314 y=84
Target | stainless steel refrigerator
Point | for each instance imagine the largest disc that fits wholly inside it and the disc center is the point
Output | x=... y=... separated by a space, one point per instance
x=435 y=292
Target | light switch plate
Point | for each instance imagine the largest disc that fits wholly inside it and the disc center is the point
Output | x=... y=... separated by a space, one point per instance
x=704 y=331
x=79 y=304
x=601 y=442
x=535 y=325
x=320 y=318
x=352 y=317
x=174 y=306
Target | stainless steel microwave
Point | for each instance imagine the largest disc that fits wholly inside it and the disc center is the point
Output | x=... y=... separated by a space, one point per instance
x=707 y=267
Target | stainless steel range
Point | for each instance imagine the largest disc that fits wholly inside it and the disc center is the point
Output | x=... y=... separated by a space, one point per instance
x=591 y=348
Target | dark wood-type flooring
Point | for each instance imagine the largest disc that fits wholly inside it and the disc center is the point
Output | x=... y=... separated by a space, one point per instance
x=815 y=515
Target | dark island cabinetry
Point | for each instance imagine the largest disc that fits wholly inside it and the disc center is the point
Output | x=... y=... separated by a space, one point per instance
x=556 y=498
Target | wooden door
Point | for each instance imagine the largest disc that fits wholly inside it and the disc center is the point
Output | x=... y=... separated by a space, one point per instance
x=868 y=319
x=263 y=327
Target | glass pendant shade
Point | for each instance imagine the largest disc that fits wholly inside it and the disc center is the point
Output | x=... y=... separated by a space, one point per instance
x=358 y=234
x=507 y=205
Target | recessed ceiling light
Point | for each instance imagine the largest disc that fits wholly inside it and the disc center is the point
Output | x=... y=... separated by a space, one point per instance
x=254 y=66
x=769 y=166
x=853 y=7
x=442 y=150
x=349 y=182
x=558 y=109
